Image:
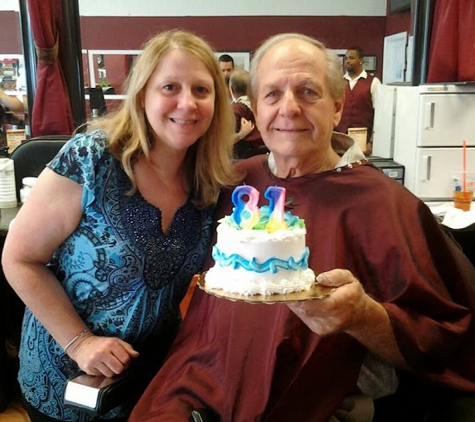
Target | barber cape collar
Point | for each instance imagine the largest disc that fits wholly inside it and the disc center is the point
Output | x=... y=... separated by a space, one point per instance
x=342 y=144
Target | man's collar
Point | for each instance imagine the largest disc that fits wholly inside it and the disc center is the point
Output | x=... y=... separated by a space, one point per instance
x=363 y=74
x=244 y=100
x=342 y=144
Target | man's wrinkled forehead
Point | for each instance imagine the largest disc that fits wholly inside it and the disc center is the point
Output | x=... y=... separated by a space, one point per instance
x=288 y=54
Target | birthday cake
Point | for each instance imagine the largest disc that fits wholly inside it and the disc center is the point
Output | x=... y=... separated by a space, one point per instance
x=260 y=251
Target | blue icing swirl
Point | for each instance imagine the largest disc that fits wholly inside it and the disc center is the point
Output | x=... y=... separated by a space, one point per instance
x=292 y=220
x=272 y=264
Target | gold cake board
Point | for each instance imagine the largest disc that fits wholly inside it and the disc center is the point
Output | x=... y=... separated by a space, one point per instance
x=317 y=291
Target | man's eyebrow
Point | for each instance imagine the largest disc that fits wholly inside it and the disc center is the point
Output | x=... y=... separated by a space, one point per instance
x=270 y=85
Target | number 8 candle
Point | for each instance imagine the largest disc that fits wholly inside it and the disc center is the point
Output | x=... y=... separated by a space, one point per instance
x=245 y=214
x=276 y=197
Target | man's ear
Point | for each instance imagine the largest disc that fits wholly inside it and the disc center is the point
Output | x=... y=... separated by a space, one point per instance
x=338 y=111
x=254 y=107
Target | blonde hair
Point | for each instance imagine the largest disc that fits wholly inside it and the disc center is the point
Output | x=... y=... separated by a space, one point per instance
x=208 y=162
x=334 y=74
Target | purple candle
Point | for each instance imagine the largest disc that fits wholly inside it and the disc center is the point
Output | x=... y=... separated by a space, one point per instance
x=276 y=197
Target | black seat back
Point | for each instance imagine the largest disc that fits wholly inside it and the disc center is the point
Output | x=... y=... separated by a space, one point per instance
x=96 y=100
x=31 y=156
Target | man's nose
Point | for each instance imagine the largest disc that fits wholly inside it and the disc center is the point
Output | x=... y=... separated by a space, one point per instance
x=289 y=105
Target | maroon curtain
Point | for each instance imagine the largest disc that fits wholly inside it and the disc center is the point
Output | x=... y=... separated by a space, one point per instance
x=51 y=107
x=452 y=47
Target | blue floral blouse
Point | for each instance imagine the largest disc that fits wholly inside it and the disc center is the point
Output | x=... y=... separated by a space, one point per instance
x=123 y=274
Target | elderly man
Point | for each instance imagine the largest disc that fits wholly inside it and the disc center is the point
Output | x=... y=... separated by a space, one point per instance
x=402 y=301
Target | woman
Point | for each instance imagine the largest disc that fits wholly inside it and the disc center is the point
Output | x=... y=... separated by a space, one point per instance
x=105 y=247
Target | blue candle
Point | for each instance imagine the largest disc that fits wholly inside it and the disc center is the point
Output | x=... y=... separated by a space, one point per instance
x=245 y=214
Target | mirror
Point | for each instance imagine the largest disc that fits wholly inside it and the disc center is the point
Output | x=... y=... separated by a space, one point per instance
x=85 y=67
x=108 y=69
x=12 y=79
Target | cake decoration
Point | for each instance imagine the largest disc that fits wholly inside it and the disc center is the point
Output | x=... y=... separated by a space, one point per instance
x=260 y=250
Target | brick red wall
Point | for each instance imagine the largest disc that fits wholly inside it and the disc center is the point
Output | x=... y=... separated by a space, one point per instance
x=238 y=33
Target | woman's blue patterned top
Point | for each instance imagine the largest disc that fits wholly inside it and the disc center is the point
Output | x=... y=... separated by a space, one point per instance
x=125 y=277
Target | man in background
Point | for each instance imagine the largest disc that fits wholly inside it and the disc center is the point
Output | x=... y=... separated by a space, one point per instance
x=360 y=96
x=226 y=63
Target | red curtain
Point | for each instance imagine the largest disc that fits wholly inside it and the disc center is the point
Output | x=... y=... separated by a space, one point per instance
x=452 y=47
x=51 y=107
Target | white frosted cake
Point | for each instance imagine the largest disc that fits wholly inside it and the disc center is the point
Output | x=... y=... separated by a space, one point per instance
x=255 y=256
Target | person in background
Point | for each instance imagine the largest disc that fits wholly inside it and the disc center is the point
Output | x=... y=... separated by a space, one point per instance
x=403 y=295
x=118 y=223
x=226 y=63
x=12 y=104
x=248 y=143
x=360 y=96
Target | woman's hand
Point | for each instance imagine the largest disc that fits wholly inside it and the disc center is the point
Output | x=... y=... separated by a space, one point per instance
x=97 y=355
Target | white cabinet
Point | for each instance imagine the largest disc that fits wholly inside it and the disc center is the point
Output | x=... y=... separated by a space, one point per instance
x=431 y=122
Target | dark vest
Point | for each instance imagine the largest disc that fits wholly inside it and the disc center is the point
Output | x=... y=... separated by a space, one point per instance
x=358 y=110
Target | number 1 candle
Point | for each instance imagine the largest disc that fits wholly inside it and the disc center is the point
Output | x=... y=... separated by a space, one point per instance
x=276 y=197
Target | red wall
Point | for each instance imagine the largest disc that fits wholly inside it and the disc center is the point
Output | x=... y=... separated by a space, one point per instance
x=399 y=22
x=238 y=33
x=10 y=33
x=234 y=33
x=245 y=35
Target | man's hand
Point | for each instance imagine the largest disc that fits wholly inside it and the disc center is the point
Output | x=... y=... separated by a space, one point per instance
x=342 y=310
x=350 y=310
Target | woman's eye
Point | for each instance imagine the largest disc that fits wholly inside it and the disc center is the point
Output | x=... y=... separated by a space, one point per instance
x=201 y=90
x=169 y=87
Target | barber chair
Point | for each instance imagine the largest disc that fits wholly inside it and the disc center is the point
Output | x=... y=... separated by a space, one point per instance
x=96 y=100
x=31 y=156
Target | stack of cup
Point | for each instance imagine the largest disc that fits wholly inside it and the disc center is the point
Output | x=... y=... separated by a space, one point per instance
x=8 y=197
x=28 y=183
x=463 y=188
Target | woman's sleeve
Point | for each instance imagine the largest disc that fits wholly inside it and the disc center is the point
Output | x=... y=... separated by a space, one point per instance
x=77 y=160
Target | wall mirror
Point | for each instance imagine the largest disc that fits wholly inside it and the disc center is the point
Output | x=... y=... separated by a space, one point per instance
x=109 y=69
x=85 y=68
x=12 y=79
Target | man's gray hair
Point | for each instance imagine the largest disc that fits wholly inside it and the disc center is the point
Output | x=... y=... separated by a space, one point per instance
x=335 y=80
